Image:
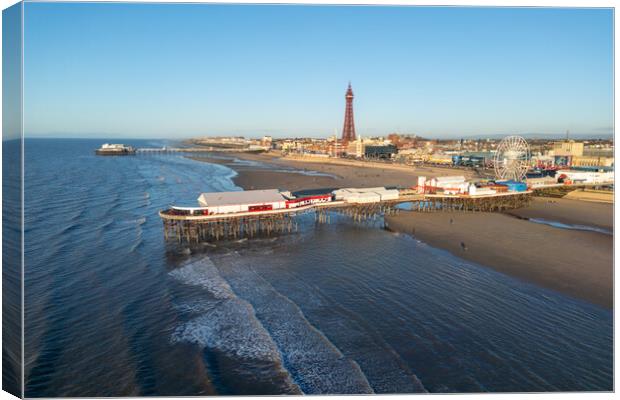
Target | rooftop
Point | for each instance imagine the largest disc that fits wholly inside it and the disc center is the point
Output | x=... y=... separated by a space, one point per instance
x=241 y=197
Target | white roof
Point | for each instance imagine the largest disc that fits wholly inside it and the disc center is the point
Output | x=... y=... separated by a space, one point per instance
x=360 y=190
x=365 y=195
x=243 y=197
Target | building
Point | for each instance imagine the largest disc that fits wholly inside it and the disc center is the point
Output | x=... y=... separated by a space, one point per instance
x=592 y=161
x=356 y=148
x=335 y=148
x=444 y=184
x=380 y=151
x=543 y=161
x=473 y=158
x=567 y=148
x=244 y=201
x=365 y=195
x=107 y=149
x=348 y=131
x=292 y=146
x=267 y=141
x=585 y=177
x=440 y=158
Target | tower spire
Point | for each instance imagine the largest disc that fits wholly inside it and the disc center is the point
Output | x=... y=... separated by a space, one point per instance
x=348 y=131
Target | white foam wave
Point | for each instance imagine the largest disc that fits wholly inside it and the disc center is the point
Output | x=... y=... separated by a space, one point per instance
x=316 y=363
x=230 y=325
x=198 y=307
x=203 y=273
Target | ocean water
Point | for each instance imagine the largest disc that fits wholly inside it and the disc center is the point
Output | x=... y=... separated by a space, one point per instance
x=111 y=310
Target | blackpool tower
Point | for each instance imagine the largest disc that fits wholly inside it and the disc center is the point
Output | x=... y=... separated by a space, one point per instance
x=348 y=132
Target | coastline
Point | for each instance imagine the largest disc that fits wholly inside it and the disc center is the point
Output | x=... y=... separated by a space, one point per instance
x=547 y=256
x=340 y=173
x=576 y=263
x=569 y=211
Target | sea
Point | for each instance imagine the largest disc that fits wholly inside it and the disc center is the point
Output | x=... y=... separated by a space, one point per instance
x=111 y=309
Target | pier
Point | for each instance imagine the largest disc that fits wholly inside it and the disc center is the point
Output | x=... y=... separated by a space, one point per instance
x=201 y=149
x=195 y=225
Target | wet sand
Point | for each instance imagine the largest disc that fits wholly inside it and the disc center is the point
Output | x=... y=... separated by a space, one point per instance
x=568 y=211
x=252 y=177
x=576 y=263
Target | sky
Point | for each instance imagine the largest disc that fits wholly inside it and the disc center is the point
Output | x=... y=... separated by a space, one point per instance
x=183 y=70
x=11 y=73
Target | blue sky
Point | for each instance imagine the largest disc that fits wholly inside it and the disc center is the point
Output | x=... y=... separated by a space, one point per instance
x=180 y=70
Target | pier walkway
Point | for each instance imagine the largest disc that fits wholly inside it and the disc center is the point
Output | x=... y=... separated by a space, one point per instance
x=201 y=149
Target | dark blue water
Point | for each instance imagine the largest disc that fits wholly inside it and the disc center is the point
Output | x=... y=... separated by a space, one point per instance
x=11 y=266
x=339 y=308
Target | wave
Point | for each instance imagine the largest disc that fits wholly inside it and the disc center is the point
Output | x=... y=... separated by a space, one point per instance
x=138 y=244
x=204 y=274
x=317 y=365
x=577 y=227
x=228 y=324
x=343 y=330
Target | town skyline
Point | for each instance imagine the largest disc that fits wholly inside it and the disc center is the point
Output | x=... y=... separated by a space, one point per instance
x=218 y=70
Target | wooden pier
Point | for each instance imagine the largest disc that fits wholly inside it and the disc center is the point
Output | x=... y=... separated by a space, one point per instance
x=494 y=203
x=206 y=228
x=196 y=231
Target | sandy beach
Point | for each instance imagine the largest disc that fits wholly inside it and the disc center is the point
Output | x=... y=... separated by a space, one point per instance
x=568 y=211
x=576 y=263
x=345 y=173
x=251 y=177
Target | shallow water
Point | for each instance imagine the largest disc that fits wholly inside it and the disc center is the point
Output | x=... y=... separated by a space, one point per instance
x=338 y=308
x=577 y=227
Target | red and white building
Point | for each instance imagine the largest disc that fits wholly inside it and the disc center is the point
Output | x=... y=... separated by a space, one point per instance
x=254 y=201
x=243 y=201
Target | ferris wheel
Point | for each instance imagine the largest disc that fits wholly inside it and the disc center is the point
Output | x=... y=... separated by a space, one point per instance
x=512 y=158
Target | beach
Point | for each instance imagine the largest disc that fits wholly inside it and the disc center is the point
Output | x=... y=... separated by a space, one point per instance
x=574 y=262
x=335 y=173
x=569 y=211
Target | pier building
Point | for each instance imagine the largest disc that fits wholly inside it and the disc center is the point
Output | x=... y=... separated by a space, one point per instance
x=242 y=201
x=116 y=149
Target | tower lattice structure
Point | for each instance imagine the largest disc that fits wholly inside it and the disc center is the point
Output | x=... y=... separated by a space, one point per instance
x=348 y=131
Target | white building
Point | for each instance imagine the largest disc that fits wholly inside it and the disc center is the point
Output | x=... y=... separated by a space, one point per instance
x=365 y=195
x=249 y=200
x=447 y=184
x=586 y=176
